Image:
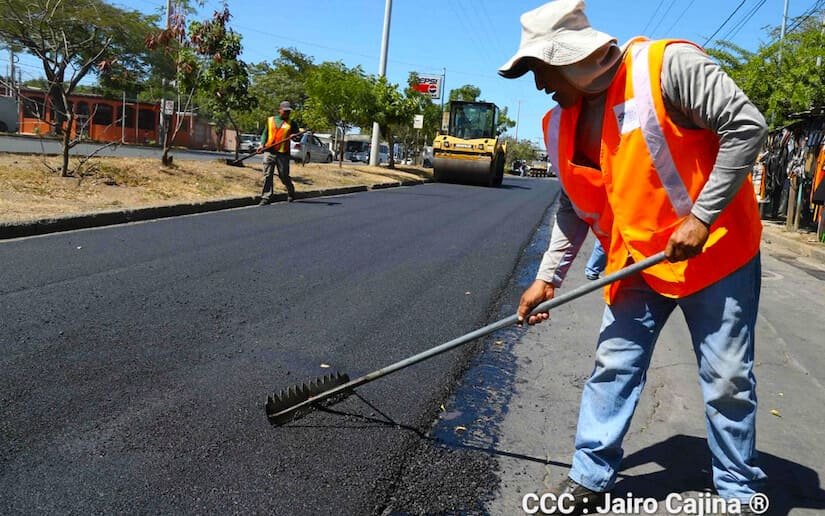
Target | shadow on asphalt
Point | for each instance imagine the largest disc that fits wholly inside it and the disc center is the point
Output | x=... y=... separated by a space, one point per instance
x=514 y=187
x=324 y=203
x=685 y=462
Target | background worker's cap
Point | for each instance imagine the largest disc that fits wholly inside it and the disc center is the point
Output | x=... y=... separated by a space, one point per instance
x=286 y=106
x=557 y=33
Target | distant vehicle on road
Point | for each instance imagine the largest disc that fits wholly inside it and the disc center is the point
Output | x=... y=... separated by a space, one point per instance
x=249 y=142
x=353 y=147
x=308 y=149
x=8 y=115
x=364 y=155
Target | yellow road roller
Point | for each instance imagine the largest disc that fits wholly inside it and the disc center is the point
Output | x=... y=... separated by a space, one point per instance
x=471 y=151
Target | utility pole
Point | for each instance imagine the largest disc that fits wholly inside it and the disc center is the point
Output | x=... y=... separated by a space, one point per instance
x=781 y=44
x=782 y=31
x=443 y=87
x=518 y=115
x=12 y=89
x=382 y=71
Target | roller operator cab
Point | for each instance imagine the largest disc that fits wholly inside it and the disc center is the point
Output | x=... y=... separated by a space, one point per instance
x=471 y=151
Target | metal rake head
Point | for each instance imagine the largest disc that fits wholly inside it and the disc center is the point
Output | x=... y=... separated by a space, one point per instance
x=296 y=401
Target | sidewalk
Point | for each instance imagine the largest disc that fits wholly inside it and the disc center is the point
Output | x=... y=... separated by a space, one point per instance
x=799 y=243
x=665 y=450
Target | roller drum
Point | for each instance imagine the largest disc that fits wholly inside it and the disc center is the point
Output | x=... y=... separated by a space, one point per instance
x=464 y=171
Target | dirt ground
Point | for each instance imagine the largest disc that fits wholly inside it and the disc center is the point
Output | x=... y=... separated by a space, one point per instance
x=29 y=190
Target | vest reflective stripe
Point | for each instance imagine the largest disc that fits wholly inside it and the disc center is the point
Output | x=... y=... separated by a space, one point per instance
x=653 y=134
x=551 y=135
x=552 y=126
x=276 y=134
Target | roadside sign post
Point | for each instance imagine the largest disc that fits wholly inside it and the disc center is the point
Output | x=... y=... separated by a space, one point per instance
x=418 y=124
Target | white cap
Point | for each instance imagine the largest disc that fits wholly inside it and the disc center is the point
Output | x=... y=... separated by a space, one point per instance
x=557 y=33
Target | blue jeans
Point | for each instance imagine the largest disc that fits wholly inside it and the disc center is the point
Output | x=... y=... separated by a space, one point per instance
x=598 y=259
x=721 y=319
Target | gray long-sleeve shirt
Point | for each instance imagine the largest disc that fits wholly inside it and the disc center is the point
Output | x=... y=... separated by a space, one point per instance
x=697 y=94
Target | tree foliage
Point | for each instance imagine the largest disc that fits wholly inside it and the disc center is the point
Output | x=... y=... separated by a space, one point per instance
x=521 y=150
x=338 y=97
x=221 y=79
x=781 y=78
x=393 y=110
x=283 y=79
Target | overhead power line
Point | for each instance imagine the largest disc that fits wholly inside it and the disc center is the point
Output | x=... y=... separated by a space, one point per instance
x=672 y=25
x=664 y=15
x=705 y=44
x=730 y=34
x=653 y=16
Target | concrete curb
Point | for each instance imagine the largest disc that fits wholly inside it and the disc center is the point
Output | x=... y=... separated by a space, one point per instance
x=109 y=218
x=793 y=242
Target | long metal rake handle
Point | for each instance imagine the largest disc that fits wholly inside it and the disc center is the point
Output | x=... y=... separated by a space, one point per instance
x=239 y=160
x=481 y=332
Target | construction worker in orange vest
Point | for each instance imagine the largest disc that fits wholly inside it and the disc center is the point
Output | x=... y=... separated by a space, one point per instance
x=275 y=144
x=653 y=144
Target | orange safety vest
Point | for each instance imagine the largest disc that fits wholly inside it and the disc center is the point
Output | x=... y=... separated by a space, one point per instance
x=277 y=134
x=651 y=173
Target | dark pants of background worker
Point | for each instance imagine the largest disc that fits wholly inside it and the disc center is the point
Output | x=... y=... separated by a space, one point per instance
x=280 y=160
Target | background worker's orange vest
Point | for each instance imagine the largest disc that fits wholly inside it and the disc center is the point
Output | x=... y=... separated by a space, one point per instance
x=277 y=134
x=640 y=197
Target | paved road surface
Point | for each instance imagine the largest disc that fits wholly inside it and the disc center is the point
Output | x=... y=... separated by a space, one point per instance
x=134 y=359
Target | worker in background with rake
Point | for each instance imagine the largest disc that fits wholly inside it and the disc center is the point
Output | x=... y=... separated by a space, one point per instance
x=275 y=144
x=653 y=143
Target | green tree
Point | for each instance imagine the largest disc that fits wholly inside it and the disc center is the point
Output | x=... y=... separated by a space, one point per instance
x=221 y=80
x=467 y=93
x=504 y=121
x=339 y=97
x=780 y=87
x=521 y=150
x=72 y=39
x=392 y=110
x=412 y=138
x=283 y=79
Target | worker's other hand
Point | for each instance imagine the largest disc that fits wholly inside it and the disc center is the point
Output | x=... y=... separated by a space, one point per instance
x=537 y=293
x=688 y=240
x=259 y=150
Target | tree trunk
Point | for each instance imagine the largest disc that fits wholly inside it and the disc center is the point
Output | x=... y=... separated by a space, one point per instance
x=166 y=159
x=64 y=169
x=59 y=109
x=237 y=135
x=390 y=145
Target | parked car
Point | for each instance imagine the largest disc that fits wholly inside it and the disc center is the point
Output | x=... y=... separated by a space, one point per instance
x=249 y=142
x=383 y=155
x=310 y=149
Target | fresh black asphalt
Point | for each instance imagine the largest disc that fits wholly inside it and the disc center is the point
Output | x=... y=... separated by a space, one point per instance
x=134 y=359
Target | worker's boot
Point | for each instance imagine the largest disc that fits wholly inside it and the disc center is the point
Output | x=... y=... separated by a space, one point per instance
x=582 y=500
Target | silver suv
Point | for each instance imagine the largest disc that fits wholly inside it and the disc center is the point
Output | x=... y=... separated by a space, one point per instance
x=309 y=149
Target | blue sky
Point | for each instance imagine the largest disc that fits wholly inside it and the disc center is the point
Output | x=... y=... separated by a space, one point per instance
x=468 y=38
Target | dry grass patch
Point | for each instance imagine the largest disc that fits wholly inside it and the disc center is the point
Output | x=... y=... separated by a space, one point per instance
x=29 y=191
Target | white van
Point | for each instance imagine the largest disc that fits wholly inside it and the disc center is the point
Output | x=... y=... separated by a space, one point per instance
x=383 y=154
